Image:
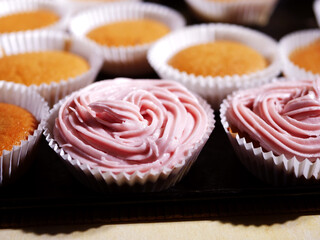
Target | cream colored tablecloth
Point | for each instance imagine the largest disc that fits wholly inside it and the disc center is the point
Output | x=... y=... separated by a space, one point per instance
x=255 y=227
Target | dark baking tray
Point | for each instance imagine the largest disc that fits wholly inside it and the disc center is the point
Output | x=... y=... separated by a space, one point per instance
x=217 y=184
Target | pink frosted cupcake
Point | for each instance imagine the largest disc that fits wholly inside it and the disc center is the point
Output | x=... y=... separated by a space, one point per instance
x=143 y=133
x=275 y=129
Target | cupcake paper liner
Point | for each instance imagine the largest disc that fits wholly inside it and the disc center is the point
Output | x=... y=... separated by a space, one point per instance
x=14 y=6
x=14 y=162
x=80 y=5
x=33 y=41
x=291 y=42
x=214 y=89
x=267 y=166
x=241 y=11
x=130 y=61
x=316 y=10
x=152 y=180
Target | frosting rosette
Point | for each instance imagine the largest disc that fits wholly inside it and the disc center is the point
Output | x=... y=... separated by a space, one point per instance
x=283 y=117
x=125 y=126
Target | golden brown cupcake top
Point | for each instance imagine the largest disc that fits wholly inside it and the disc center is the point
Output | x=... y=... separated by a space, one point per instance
x=30 y=20
x=41 y=67
x=128 y=33
x=16 y=124
x=219 y=58
x=307 y=57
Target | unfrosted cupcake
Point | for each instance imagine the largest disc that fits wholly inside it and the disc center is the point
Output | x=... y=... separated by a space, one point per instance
x=124 y=32
x=19 y=15
x=300 y=54
x=215 y=59
x=255 y=12
x=144 y=134
x=275 y=129
x=23 y=113
x=53 y=63
x=16 y=125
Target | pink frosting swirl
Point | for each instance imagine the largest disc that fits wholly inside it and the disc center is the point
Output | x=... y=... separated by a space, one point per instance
x=284 y=117
x=130 y=125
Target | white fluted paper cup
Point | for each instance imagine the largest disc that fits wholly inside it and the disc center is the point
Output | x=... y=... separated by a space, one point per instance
x=8 y=7
x=316 y=10
x=79 y=5
x=13 y=162
x=294 y=41
x=129 y=60
x=105 y=179
x=34 y=41
x=214 y=89
x=237 y=11
x=268 y=166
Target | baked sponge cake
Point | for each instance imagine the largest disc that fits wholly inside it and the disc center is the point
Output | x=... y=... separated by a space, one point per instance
x=218 y=58
x=307 y=57
x=16 y=124
x=28 y=20
x=128 y=33
x=42 y=67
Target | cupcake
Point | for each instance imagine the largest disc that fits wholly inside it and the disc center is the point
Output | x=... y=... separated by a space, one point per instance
x=215 y=59
x=300 y=54
x=275 y=130
x=19 y=124
x=123 y=33
x=136 y=134
x=255 y=12
x=23 y=113
x=52 y=63
x=19 y=15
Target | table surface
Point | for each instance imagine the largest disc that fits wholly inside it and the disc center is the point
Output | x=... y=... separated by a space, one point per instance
x=267 y=216
x=274 y=227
